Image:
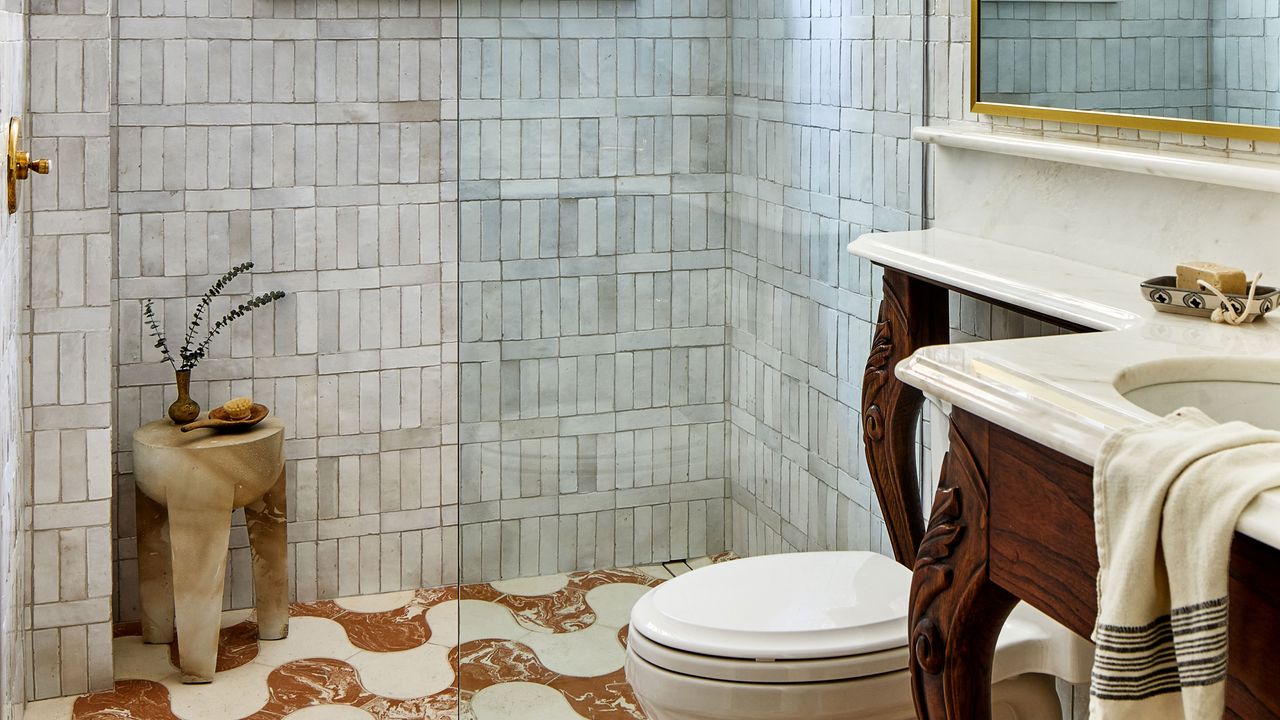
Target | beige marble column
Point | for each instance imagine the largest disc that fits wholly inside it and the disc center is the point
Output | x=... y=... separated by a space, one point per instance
x=191 y=482
x=268 y=522
x=155 y=570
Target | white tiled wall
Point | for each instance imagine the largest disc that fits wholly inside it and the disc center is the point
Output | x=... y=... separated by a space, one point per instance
x=1201 y=60
x=824 y=98
x=1129 y=55
x=1244 y=61
x=593 y=283
x=70 y=380
x=15 y=554
x=949 y=95
x=315 y=139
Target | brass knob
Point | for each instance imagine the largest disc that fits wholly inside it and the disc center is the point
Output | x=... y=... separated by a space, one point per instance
x=20 y=164
x=23 y=165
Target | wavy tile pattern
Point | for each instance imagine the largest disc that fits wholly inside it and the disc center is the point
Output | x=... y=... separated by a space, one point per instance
x=515 y=634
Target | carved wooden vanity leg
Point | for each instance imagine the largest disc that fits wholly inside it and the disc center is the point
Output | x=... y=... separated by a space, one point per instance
x=913 y=314
x=956 y=611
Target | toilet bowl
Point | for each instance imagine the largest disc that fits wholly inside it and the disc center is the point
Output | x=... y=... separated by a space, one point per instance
x=820 y=636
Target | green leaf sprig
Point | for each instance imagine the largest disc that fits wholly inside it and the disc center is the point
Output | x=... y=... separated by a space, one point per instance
x=191 y=353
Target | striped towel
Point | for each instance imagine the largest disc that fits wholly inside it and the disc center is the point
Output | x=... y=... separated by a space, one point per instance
x=1167 y=496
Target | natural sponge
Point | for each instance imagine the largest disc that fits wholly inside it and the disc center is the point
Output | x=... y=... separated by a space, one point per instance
x=238 y=408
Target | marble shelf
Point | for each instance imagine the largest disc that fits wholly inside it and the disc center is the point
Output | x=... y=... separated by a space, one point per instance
x=1231 y=172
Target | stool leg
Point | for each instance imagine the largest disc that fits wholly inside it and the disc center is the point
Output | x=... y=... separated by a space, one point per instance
x=268 y=522
x=155 y=570
x=199 y=540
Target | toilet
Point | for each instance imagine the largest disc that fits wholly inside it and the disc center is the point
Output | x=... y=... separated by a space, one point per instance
x=819 y=636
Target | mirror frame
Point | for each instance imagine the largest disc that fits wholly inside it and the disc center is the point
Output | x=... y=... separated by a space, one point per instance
x=1097 y=117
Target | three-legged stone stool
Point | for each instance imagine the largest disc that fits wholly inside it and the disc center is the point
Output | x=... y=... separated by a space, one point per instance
x=188 y=485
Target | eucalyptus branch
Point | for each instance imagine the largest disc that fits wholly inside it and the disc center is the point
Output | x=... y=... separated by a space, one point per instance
x=205 y=301
x=236 y=313
x=149 y=317
x=190 y=354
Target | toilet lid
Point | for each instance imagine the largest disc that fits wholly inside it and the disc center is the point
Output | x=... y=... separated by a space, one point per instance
x=775 y=607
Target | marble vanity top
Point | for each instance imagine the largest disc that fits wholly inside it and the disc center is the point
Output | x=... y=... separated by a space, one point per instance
x=1060 y=391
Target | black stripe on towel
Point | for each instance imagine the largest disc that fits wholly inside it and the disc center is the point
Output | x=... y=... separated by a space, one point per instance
x=1186 y=648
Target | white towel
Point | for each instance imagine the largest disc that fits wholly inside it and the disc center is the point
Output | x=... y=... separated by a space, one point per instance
x=1167 y=496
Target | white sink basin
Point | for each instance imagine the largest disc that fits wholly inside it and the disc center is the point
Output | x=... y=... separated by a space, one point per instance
x=1223 y=388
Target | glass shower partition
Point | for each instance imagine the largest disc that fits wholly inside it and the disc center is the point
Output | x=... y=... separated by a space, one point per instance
x=591 y=350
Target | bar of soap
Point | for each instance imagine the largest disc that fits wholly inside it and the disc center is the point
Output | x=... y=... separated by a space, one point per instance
x=1229 y=280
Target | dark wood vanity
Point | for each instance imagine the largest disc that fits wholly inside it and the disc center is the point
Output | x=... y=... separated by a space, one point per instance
x=1012 y=520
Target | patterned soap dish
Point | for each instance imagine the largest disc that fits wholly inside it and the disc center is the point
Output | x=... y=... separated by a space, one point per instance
x=1163 y=293
x=219 y=420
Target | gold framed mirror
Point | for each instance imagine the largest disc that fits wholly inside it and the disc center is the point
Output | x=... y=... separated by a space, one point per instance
x=1180 y=66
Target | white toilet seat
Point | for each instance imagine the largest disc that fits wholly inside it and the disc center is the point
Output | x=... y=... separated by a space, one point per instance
x=755 y=671
x=800 y=606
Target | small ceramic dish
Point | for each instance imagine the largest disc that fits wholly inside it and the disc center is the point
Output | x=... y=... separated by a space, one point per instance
x=219 y=420
x=1163 y=293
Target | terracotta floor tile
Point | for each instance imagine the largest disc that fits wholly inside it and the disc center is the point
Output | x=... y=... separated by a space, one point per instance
x=131 y=700
x=547 y=648
x=330 y=712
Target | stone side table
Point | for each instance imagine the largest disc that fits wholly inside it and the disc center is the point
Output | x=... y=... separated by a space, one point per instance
x=188 y=486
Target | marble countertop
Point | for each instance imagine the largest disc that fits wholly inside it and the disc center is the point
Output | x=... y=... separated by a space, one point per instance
x=1060 y=391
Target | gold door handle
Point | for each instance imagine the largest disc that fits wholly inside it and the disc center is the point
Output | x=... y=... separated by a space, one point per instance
x=20 y=164
x=24 y=164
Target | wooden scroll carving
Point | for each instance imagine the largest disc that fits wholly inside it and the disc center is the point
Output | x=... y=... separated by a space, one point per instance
x=913 y=314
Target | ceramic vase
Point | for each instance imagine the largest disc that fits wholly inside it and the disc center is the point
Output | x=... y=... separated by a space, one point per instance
x=184 y=409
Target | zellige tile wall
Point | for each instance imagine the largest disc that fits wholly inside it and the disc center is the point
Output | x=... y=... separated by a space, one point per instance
x=70 y=380
x=1244 y=61
x=592 y=194
x=15 y=539
x=1207 y=61
x=824 y=98
x=1133 y=56
x=313 y=138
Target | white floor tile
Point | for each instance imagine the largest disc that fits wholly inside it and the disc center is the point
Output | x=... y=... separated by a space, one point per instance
x=308 y=637
x=585 y=653
x=235 y=617
x=612 y=603
x=526 y=701
x=541 y=585
x=480 y=620
x=406 y=674
x=376 y=603
x=696 y=563
x=655 y=571
x=55 y=709
x=136 y=660
x=234 y=693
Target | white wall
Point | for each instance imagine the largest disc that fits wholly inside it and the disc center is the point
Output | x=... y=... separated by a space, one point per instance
x=71 y=315
x=314 y=140
x=15 y=554
x=824 y=97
